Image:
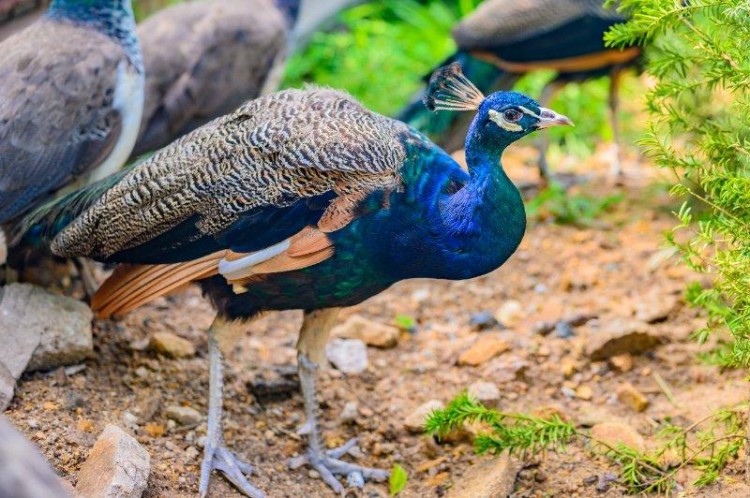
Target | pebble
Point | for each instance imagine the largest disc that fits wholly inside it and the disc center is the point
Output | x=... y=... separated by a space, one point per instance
x=129 y=420
x=485 y=393
x=487 y=346
x=191 y=454
x=614 y=433
x=632 y=397
x=347 y=355
x=350 y=413
x=183 y=415
x=622 y=362
x=656 y=308
x=492 y=478
x=372 y=333
x=416 y=419
x=509 y=313
x=584 y=392
x=171 y=345
x=117 y=467
x=483 y=320
x=620 y=336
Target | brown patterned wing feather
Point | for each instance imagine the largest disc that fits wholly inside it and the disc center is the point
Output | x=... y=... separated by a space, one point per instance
x=272 y=151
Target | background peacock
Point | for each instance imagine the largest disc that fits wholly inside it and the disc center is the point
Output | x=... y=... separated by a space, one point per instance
x=306 y=200
x=204 y=58
x=71 y=97
x=504 y=39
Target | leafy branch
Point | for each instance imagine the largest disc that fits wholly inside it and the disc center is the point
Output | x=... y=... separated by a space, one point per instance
x=640 y=472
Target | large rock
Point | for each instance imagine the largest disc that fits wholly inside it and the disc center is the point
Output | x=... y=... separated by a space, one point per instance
x=41 y=331
x=372 y=333
x=7 y=387
x=24 y=471
x=493 y=478
x=117 y=467
x=620 y=336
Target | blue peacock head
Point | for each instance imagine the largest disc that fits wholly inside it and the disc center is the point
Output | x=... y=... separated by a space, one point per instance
x=502 y=117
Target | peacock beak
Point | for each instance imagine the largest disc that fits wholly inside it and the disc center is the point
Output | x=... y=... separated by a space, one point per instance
x=548 y=118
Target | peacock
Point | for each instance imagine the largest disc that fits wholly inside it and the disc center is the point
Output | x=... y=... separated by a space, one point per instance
x=504 y=39
x=302 y=199
x=71 y=98
x=204 y=58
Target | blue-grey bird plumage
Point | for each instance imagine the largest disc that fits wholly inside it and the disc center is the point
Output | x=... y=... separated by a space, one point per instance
x=71 y=96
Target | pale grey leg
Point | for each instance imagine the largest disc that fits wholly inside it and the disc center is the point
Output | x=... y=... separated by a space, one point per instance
x=311 y=349
x=215 y=454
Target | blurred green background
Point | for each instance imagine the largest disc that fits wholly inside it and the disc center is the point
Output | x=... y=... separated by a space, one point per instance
x=381 y=51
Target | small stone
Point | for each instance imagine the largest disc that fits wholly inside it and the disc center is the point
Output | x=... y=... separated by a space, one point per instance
x=584 y=392
x=313 y=474
x=510 y=313
x=129 y=420
x=141 y=372
x=620 y=336
x=485 y=393
x=155 y=430
x=568 y=367
x=372 y=333
x=183 y=415
x=172 y=345
x=563 y=330
x=32 y=423
x=605 y=482
x=492 y=478
x=117 y=467
x=350 y=413
x=632 y=397
x=147 y=408
x=347 y=355
x=484 y=348
x=415 y=421
x=483 y=320
x=73 y=400
x=614 y=433
x=191 y=454
x=622 y=362
x=85 y=425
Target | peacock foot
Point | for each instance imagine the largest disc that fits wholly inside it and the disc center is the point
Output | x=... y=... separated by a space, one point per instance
x=218 y=457
x=329 y=465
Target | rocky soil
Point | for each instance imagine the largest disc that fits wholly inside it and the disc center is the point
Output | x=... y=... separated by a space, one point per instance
x=588 y=321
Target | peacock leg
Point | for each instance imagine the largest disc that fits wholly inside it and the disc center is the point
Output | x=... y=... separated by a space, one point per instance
x=310 y=353
x=215 y=454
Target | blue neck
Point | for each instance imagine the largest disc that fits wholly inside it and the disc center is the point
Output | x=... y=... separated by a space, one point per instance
x=489 y=210
x=113 y=18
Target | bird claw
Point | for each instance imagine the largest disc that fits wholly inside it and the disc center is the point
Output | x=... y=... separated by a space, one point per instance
x=234 y=469
x=329 y=465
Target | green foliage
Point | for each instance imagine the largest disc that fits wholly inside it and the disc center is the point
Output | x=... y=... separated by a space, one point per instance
x=380 y=50
x=708 y=450
x=398 y=479
x=406 y=322
x=566 y=209
x=699 y=129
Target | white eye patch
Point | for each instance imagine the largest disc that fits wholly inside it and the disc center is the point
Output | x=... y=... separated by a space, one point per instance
x=499 y=119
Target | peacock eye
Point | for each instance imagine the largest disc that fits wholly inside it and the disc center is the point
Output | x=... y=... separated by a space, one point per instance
x=512 y=115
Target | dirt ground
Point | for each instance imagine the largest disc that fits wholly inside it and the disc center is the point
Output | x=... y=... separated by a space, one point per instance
x=616 y=268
